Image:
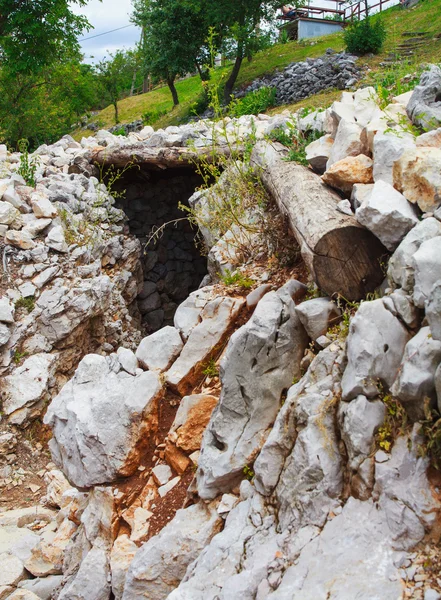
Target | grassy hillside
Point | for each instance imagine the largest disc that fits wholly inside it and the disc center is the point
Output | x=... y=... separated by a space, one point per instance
x=426 y=16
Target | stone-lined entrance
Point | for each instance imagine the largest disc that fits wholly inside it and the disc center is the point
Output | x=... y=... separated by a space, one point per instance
x=172 y=264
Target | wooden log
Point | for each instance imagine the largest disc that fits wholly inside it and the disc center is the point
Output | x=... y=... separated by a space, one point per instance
x=342 y=256
x=158 y=158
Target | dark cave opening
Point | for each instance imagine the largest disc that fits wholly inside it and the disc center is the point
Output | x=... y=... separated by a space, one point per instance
x=172 y=263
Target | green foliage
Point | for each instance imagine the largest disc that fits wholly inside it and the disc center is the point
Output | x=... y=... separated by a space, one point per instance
x=150 y=116
x=395 y=421
x=120 y=131
x=248 y=472
x=27 y=303
x=211 y=369
x=237 y=279
x=18 y=356
x=295 y=141
x=255 y=102
x=431 y=429
x=36 y=33
x=28 y=166
x=366 y=36
x=116 y=75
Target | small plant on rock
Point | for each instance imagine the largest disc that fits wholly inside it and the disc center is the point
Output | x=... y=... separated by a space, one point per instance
x=248 y=472
x=395 y=421
x=28 y=303
x=237 y=279
x=431 y=429
x=211 y=369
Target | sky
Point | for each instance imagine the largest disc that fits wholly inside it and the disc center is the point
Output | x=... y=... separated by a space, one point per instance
x=105 y=16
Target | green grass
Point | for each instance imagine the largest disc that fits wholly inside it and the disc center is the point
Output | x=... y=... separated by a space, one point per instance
x=426 y=16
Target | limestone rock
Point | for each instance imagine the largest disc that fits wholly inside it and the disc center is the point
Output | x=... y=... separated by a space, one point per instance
x=55 y=239
x=424 y=107
x=318 y=315
x=160 y=564
x=161 y=474
x=360 y=193
x=23 y=595
x=403 y=492
x=416 y=378
x=192 y=418
x=324 y=565
x=8 y=214
x=5 y=334
x=216 y=319
x=158 y=351
x=433 y=311
x=128 y=360
x=99 y=420
x=92 y=582
x=388 y=148
x=12 y=570
x=401 y=269
x=43 y=587
x=28 y=384
x=261 y=360
x=318 y=153
x=431 y=138
x=387 y=214
x=123 y=552
x=188 y=314
x=20 y=239
x=350 y=140
x=375 y=347
x=349 y=171
x=312 y=393
x=42 y=206
x=427 y=270
x=417 y=175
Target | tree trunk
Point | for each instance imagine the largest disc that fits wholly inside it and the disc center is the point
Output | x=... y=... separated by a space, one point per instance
x=342 y=256
x=174 y=93
x=233 y=76
x=115 y=106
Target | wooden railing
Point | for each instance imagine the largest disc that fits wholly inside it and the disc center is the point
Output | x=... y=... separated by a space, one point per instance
x=347 y=14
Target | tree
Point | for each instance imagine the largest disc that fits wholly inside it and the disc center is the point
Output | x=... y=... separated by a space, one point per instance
x=35 y=33
x=238 y=25
x=174 y=32
x=116 y=75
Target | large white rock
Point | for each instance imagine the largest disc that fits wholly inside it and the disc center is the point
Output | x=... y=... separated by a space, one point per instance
x=401 y=271
x=28 y=384
x=12 y=570
x=387 y=149
x=340 y=570
x=127 y=360
x=417 y=175
x=188 y=314
x=215 y=320
x=98 y=421
x=55 y=239
x=42 y=206
x=318 y=315
x=20 y=239
x=387 y=214
x=92 y=582
x=433 y=311
x=158 y=351
x=5 y=334
x=375 y=347
x=416 y=377
x=427 y=269
x=424 y=106
x=8 y=214
x=261 y=360
x=161 y=563
x=349 y=141
x=123 y=552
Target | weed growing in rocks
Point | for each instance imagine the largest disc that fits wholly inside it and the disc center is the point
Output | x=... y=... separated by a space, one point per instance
x=395 y=422
x=431 y=429
x=211 y=369
x=237 y=279
x=27 y=303
x=28 y=166
x=18 y=356
x=295 y=141
x=255 y=102
x=248 y=472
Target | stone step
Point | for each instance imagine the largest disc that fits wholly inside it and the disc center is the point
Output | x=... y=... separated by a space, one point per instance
x=415 y=33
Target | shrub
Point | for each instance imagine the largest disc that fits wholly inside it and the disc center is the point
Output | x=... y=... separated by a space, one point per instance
x=150 y=116
x=255 y=102
x=365 y=36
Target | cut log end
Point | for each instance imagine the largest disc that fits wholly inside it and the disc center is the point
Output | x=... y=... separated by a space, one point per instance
x=347 y=262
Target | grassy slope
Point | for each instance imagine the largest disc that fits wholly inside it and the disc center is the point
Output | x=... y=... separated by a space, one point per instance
x=426 y=16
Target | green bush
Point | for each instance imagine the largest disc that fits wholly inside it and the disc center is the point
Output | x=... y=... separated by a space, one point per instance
x=255 y=102
x=151 y=116
x=364 y=37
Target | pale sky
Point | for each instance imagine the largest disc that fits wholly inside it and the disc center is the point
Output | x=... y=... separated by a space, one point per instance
x=105 y=16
